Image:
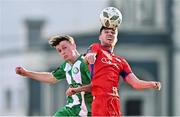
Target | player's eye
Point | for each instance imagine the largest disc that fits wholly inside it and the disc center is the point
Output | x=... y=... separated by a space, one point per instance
x=106 y=32
x=59 y=50
x=112 y=32
x=64 y=48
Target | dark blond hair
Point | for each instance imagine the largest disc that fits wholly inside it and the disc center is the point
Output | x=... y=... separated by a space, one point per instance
x=56 y=39
x=104 y=28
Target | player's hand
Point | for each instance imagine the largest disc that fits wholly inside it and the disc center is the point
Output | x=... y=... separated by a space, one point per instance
x=90 y=58
x=21 y=71
x=70 y=91
x=157 y=85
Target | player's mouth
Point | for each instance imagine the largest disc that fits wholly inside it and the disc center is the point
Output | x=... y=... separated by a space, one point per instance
x=110 y=39
x=65 y=56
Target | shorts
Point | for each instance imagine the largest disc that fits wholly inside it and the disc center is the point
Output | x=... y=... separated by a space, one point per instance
x=106 y=105
x=67 y=111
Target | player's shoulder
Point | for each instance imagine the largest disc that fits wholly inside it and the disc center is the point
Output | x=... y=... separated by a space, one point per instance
x=63 y=64
x=81 y=57
x=95 y=45
x=121 y=58
x=60 y=67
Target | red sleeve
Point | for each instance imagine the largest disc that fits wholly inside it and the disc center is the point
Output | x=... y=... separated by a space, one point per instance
x=94 y=48
x=126 y=69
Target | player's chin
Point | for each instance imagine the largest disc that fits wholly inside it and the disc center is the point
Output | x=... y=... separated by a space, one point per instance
x=109 y=43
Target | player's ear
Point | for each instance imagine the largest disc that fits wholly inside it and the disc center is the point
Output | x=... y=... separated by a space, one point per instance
x=74 y=45
x=100 y=37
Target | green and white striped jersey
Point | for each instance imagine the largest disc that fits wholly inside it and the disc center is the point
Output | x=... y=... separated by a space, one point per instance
x=76 y=75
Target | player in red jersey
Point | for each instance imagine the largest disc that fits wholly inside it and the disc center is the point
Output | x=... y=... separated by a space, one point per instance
x=105 y=80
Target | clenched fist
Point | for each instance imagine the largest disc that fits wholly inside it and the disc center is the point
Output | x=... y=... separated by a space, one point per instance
x=90 y=58
x=70 y=91
x=157 y=85
x=21 y=71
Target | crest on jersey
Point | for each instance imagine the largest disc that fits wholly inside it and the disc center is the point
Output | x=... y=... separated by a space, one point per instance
x=75 y=70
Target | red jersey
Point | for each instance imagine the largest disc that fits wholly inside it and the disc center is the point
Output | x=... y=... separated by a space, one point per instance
x=107 y=69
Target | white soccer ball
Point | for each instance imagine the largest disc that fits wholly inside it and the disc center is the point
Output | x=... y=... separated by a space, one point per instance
x=110 y=17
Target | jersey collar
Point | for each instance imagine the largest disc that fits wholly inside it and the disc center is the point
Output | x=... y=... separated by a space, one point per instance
x=110 y=51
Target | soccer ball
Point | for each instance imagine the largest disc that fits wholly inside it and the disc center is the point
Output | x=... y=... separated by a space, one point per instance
x=110 y=17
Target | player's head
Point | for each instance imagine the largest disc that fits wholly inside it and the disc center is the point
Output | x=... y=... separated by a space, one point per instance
x=108 y=36
x=64 y=45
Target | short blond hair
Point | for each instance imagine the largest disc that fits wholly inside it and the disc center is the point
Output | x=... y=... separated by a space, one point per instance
x=56 y=39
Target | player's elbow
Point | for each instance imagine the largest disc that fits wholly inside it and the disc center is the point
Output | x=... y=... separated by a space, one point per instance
x=52 y=80
x=135 y=83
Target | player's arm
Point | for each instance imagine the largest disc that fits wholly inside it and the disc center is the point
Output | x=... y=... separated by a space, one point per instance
x=91 y=53
x=141 y=84
x=45 y=77
x=85 y=88
x=90 y=57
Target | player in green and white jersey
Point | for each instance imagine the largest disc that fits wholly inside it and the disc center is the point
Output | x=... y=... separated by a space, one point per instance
x=74 y=70
x=76 y=75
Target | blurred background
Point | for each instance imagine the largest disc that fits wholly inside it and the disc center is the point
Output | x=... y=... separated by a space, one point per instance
x=148 y=39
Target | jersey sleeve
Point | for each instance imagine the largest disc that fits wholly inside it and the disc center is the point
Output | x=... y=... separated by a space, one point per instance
x=94 y=48
x=126 y=69
x=85 y=73
x=59 y=73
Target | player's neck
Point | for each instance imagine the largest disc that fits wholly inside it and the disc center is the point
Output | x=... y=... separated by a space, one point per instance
x=109 y=48
x=74 y=57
